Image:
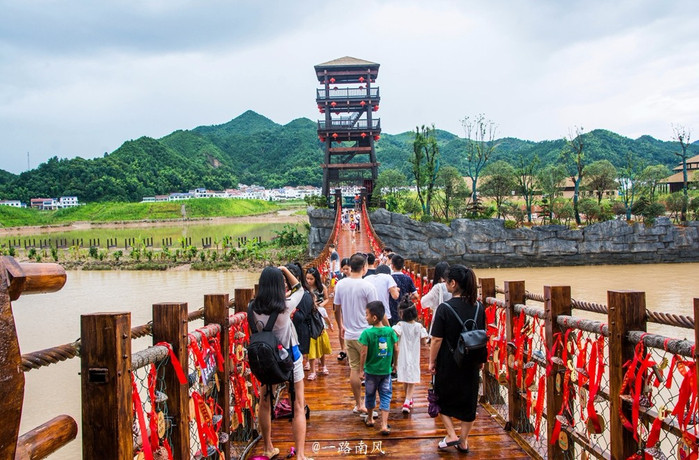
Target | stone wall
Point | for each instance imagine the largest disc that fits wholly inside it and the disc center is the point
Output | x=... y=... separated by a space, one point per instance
x=486 y=243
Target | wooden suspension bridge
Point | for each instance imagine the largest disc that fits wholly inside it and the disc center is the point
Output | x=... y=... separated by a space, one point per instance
x=190 y=395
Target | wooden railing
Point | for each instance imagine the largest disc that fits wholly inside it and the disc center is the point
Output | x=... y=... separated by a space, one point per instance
x=189 y=395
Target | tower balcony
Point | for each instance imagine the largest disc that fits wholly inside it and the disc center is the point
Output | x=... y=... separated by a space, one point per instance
x=349 y=126
x=342 y=94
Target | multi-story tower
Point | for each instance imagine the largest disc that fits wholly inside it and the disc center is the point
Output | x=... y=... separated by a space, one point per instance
x=348 y=99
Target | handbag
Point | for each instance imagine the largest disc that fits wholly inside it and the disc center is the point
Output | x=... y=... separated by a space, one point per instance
x=472 y=341
x=317 y=325
x=433 y=408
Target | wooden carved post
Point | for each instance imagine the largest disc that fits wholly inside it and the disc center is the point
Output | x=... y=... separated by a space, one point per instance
x=105 y=371
x=627 y=312
x=514 y=294
x=491 y=387
x=242 y=299
x=15 y=279
x=557 y=301
x=216 y=311
x=170 y=325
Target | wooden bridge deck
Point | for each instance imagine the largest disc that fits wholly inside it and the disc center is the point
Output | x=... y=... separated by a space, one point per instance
x=334 y=431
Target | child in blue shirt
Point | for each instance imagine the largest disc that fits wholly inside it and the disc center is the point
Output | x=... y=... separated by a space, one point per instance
x=379 y=353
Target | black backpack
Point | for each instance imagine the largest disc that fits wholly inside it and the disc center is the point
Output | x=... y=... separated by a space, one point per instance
x=265 y=354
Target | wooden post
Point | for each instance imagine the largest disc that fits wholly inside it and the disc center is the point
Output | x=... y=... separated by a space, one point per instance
x=170 y=325
x=514 y=294
x=216 y=311
x=627 y=312
x=242 y=299
x=491 y=393
x=557 y=301
x=696 y=335
x=105 y=370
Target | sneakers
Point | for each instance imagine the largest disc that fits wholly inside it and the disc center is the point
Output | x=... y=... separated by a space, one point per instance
x=307 y=366
x=324 y=371
x=406 y=408
x=341 y=356
x=311 y=376
x=394 y=376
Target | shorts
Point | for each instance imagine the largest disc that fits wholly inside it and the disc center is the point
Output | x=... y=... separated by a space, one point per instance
x=298 y=370
x=382 y=384
x=354 y=352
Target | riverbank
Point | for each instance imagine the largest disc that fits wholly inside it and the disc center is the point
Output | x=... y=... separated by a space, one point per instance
x=282 y=216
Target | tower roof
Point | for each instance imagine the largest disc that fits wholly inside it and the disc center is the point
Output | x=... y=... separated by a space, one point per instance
x=348 y=61
x=346 y=69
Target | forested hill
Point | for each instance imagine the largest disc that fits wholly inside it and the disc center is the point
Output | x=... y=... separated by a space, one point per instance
x=253 y=149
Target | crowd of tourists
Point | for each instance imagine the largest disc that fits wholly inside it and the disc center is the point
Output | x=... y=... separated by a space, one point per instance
x=375 y=317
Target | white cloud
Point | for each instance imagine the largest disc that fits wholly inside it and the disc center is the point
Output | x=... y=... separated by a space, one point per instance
x=80 y=80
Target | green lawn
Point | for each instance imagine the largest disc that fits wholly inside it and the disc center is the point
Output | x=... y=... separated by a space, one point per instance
x=111 y=212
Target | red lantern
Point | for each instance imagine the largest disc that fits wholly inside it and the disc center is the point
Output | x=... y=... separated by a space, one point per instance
x=363 y=135
x=362 y=103
x=333 y=103
x=332 y=79
x=361 y=79
x=376 y=108
x=377 y=137
x=334 y=135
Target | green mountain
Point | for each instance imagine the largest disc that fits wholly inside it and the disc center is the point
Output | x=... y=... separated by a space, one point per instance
x=253 y=149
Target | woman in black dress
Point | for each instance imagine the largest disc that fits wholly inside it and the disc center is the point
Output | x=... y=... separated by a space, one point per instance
x=456 y=387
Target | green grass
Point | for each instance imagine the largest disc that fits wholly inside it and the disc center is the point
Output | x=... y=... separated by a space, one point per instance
x=111 y=212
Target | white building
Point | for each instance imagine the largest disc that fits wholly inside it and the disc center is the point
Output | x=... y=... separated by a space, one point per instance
x=13 y=203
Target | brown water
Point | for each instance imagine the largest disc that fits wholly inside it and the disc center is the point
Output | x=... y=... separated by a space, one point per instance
x=51 y=319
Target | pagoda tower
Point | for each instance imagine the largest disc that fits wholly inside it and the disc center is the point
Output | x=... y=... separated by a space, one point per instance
x=348 y=98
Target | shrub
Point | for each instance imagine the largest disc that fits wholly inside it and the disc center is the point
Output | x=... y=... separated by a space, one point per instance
x=510 y=224
x=117 y=254
x=93 y=252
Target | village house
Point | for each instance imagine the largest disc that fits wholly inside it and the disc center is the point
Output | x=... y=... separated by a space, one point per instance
x=675 y=183
x=50 y=204
x=13 y=203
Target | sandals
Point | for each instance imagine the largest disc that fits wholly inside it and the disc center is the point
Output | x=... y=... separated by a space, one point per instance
x=444 y=444
x=341 y=356
x=271 y=454
x=324 y=371
x=461 y=449
x=307 y=366
x=406 y=408
x=369 y=422
x=387 y=431
x=311 y=376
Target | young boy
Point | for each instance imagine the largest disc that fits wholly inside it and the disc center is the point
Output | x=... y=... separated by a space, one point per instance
x=379 y=354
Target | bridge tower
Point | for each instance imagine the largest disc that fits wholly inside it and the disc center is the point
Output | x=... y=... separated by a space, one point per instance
x=348 y=98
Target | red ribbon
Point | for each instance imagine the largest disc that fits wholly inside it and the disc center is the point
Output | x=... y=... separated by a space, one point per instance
x=138 y=407
x=175 y=363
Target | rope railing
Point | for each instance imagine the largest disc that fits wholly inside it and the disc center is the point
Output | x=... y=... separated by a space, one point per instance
x=48 y=356
x=321 y=261
x=667 y=319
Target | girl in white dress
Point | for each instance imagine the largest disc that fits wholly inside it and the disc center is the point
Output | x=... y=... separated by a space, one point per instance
x=411 y=334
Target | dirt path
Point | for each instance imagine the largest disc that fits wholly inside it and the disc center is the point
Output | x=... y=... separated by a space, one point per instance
x=278 y=217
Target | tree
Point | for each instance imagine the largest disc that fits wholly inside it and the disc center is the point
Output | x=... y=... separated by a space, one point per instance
x=550 y=180
x=454 y=187
x=601 y=176
x=526 y=178
x=650 y=178
x=480 y=145
x=390 y=182
x=500 y=180
x=425 y=164
x=574 y=157
x=628 y=178
x=683 y=135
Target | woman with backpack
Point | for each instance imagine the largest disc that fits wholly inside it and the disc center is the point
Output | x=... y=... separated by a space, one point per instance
x=272 y=298
x=456 y=386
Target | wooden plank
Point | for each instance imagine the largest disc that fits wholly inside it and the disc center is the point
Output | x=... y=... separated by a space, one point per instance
x=216 y=311
x=105 y=370
x=46 y=438
x=342 y=150
x=349 y=165
x=333 y=428
x=627 y=312
x=170 y=325
x=557 y=301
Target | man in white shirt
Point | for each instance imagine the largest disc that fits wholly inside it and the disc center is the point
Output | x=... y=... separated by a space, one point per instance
x=352 y=294
x=385 y=287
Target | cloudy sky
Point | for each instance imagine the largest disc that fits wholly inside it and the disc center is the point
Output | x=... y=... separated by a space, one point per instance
x=79 y=78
